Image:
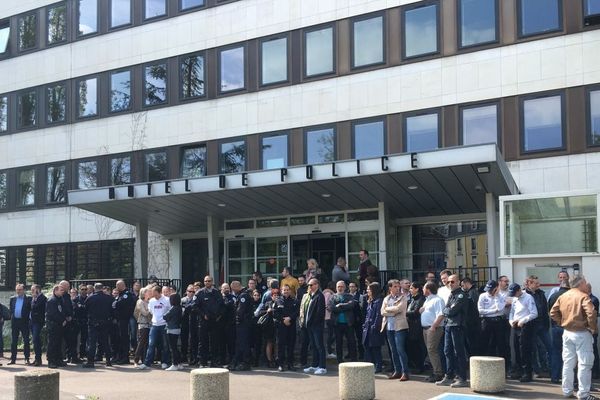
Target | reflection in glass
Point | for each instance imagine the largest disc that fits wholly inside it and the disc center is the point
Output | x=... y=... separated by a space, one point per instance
x=3 y=114
x=57 y=24
x=120 y=91
x=87 y=97
x=358 y=241
x=26 y=109
x=193 y=162
x=185 y=4
x=368 y=41
x=4 y=36
x=274 y=61
x=155 y=84
x=539 y=16
x=420 y=31
x=55 y=184
x=87 y=175
x=320 y=146
x=120 y=13
x=233 y=157
x=232 y=69
x=27 y=31
x=155 y=8
x=275 y=152
x=542 y=123
x=26 y=187
x=594 y=117
x=422 y=132
x=88 y=16
x=369 y=139
x=591 y=7
x=156 y=166
x=56 y=97
x=480 y=124
x=192 y=76
x=240 y=259
x=120 y=170
x=319 y=52
x=271 y=254
x=477 y=22
x=3 y=190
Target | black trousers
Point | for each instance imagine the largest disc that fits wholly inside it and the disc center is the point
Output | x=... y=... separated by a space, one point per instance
x=19 y=326
x=341 y=331
x=523 y=345
x=286 y=341
x=55 y=339
x=70 y=338
x=122 y=346
x=242 y=343
x=82 y=329
x=98 y=334
x=493 y=338
x=304 y=342
x=192 y=345
x=185 y=337
x=208 y=331
x=175 y=355
x=358 y=335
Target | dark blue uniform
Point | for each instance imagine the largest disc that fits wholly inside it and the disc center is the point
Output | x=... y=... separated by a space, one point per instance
x=243 y=324
x=80 y=322
x=99 y=311
x=55 y=321
x=38 y=318
x=70 y=331
x=123 y=307
x=286 y=334
x=454 y=335
x=227 y=325
x=209 y=305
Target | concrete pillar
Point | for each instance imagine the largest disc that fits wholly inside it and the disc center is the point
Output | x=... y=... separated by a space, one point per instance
x=37 y=384
x=487 y=374
x=140 y=254
x=357 y=381
x=209 y=383
x=493 y=230
x=175 y=260
x=213 y=246
x=382 y=237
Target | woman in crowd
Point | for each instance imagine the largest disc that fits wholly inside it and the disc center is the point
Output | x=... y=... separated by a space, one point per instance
x=393 y=310
x=173 y=318
x=312 y=270
x=256 y=330
x=143 y=317
x=416 y=345
x=328 y=292
x=265 y=320
x=372 y=338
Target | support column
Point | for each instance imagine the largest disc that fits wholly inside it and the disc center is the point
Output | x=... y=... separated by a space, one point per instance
x=492 y=229
x=382 y=237
x=175 y=259
x=213 y=247
x=140 y=253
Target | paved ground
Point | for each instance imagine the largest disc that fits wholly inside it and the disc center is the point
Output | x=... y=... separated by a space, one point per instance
x=126 y=382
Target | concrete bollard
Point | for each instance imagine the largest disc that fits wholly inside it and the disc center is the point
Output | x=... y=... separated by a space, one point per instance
x=209 y=384
x=39 y=384
x=357 y=381
x=487 y=374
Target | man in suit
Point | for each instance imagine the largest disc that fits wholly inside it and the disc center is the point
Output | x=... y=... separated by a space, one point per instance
x=20 y=308
x=38 y=318
x=312 y=315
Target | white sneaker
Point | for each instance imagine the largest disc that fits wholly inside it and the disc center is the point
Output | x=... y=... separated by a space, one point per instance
x=172 y=368
x=142 y=366
x=164 y=366
x=310 y=370
x=331 y=356
x=320 y=371
x=180 y=367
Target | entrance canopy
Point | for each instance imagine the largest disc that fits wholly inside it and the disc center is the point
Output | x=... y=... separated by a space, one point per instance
x=433 y=183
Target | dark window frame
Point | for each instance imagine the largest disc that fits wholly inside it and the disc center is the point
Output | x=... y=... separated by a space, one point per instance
x=384 y=27
x=232 y=140
x=219 y=52
x=180 y=59
x=588 y=114
x=267 y=135
x=66 y=200
x=319 y=127
x=334 y=35
x=182 y=10
x=364 y=121
x=17 y=110
x=521 y=115
x=131 y=90
x=47 y=24
x=132 y=165
x=459 y=30
x=17 y=195
x=189 y=146
x=129 y=24
x=77 y=99
x=145 y=169
x=479 y=104
x=520 y=34
x=415 y=6
x=66 y=120
x=36 y=45
x=155 y=18
x=7 y=207
x=166 y=102
x=261 y=41
x=418 y=113
x=9 y=110
x=77 y=13
x=76 y=164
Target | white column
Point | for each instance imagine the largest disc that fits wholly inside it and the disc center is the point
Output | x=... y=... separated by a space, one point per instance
x=382 y=237
x=175 y=259
x=140 y=253
x=493 y=232
x=213 y=246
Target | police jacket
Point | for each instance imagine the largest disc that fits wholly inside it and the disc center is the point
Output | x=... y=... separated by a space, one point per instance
x=229 y=308
x=124 y=305
x=55 y=312
x=67 y=304
x=342 y=304
x=38 y=309
x=188 y=316
x=99 y=307
x=541 y=303
x=456 y=308
x=79 y=310
x=244 y=310
x=286 y=307
x=209 y=303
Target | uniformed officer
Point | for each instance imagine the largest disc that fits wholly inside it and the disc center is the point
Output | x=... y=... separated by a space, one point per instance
x=56 y=320
x=491 y=309
x=209 y=304
x=80 y=320
x=285 y=314
x=99 y=309
x=243 y=320
x=455 y=314
x=227 y=325
x=123 y=307
x=70 y=331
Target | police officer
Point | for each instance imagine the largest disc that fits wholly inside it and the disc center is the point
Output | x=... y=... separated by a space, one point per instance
x=69 y=333
x=455 y=314
x=123 y=307
x=227 y=325
x=209 y=304
x=285 y=314
x=56 y=320
x=99 y=309
x=80 y=319
x=243 y=321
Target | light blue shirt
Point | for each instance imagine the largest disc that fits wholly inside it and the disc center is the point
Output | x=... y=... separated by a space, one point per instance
x=19 y=306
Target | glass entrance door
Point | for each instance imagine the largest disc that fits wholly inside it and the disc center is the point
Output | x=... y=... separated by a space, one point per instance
x=325 y=248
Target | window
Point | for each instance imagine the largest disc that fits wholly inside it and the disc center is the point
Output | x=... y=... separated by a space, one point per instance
x=57 y=23
x=120 y=91
x=330 y=219
x=367 y=42
x=88 y=17
x=320 y=146
x=87 y=97
x=591 y=7
x=473 y=245
x=193 y=162
x=154 y=8
x=87 y=174
x=188 y=4
x=156 y=166
x=56 y=99
x=26 y=187
x=542 y=123
x=539 y=16
x=192 y=76
x=4 y=36
x=420 y=31
x=233 y=157
x=358 y=241
x=271 y=254
x=3 y=189
x=274 y=59
x=120 y=13
x=477 y=22
x=120 y=171
x=155 y=84
x=3 y=113
x=594 y=129
x=318 y=52
x=479 y=124
x=27 y=32
x=232 y=69
x=55 y=184
x=240 y=259
x=274 y=152
x=27 y=109
x=421 y=132
x=369 y=139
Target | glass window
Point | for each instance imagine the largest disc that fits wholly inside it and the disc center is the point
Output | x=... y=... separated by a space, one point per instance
x=155 y=84
x=120 y=91
x=308 y=220
x=27 y=109
x=88 y=17
x=274 y=61
x=27 y=32
x=591 y=7
x=55 y=184
x=87 y=174
x=594 y=117
x=330 y=219
x=120 y=170
x=232 y=69
x=154 y=8
x=192 y=76
x=271 y=222
x=26 y=183
x=363 y=216
x=369 y=139
x=421 y=31
x=422 y=132
x=367 y=41
x=3 y=189
x=480 y=124
x=156 y=166
x=271 y=254
x=233 y=157
x=3 y=113
x=358 y=241
x=57 y=23
x=320 y=146
x=4 y=36
x=56 y=98
x=235 y=225
x=477 y=22
x=318 y=52
x=538 y=16
x=275 y=152
x=193 y=162
x=240 y=259
x=542 y=123
x=87 y=97
x=187 y=4
x=120 y=13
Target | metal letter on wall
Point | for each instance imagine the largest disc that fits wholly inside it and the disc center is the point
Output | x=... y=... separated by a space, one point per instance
x=413 y=160
x=167 y=187
x=283 y=174
x=222 y=181
x=244 y=179
x=111 y=193
x=333 y=173
x=149 y=189
x=309 y=172
x=384 y=166
x=187 y=185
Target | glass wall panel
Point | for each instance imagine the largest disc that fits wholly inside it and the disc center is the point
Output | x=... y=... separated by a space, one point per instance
x=3 y=189
x=154 y=8
x=120 y=13
x=192 y=76
x=3 y=113
x=368 y=41
x=155 y=84
x=542 y=123
x=594 y=117
x=421 y=31
x=538 y=16
x=120 y=170
x=358 y=241
x=275 y=152
x=272 y=254
x=87 y=97
x=88 y=17
x=4 y=36
x=232 y=69
x=591 y=7
x=477 y=22
x=240 y=259
x=422 y=132
x=55 y=184
x=26 y=187
x=480 y=124
x=320 y=146
x=87 y=175
x=193 y=162
x=120 y=91
x=187 y=4
x=274 y=61
x=27 y=109
x=156 y=166
x=3 y=267
x=57 y=23
x=318 y=52
x=27 y=32
x=369 y=139
x=233 y=157
x=56 y=98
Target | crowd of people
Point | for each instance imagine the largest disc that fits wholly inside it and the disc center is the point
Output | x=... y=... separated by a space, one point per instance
x=434 y=324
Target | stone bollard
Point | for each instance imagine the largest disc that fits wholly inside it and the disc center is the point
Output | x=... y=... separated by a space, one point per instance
x=487 y=374
x=209 y=384
x=39 y=384
x=357 y=381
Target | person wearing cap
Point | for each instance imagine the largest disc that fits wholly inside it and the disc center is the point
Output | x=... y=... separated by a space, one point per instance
x=491 y=310
x=523 y=312
x=575 y=313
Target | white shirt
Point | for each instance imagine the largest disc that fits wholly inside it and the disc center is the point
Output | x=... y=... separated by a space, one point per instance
x=523 y=309
x=433 y=308
x=507 y=301
x=552 y=291
x=491 y=306
x=158 y=308
x=444 y=293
